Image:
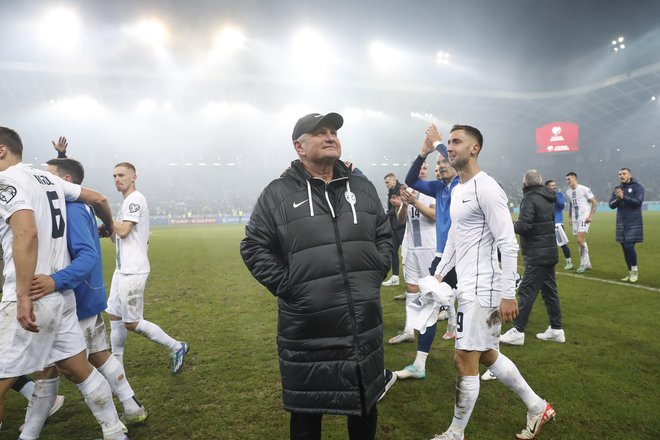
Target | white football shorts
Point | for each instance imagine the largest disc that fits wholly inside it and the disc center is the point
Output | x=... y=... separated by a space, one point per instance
x=580 y=225
x=477 y=327
x=126 y=299
x=59 y=336
x=93 y=330
x=418 y=263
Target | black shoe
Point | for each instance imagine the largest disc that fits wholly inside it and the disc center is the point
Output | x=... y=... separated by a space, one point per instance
x=390 y=378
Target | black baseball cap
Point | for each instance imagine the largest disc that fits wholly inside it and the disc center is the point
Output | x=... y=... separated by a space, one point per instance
x=312 y=121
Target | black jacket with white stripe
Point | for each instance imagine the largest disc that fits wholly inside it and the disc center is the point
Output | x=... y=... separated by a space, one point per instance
x=323 y=249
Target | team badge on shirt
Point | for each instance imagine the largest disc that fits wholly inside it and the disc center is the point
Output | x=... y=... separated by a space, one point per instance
x=133 y=207
x=350 y=197
x=7 y=192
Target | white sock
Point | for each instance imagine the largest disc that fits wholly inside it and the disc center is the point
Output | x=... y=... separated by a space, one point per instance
x=156 y=334
x=507 y=373
x=452 y=308
x=98 y=397
x=420 y=360
x=45 y=393
x=410 y=297
x=27 y=390
x=568 y=261
x=114 y=373
x=587 y=260
x=467 y=391
x=583 y=252
x=633 y=268
x=118 y=335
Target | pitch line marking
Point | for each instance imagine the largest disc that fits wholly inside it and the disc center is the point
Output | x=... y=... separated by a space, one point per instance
x=616 y=283
x=602 y=280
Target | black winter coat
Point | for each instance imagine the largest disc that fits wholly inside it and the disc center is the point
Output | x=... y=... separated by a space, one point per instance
x=399 y=228
x=536 y=226
x=323 y=250
x=629 y=225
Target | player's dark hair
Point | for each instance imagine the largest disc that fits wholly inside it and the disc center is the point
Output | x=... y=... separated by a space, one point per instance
x=571 y=173
x=126 y=165
x=69 y=166
x=548 y=182
x=474 y=132
x=10 y=139
x=627 y=169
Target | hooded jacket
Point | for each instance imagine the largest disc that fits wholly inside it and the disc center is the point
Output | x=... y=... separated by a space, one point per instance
x=536 y=226
x=629 y=225
x=323 y=249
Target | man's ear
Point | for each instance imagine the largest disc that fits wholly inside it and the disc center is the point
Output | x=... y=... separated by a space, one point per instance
x=297 y=145
x=3 y=151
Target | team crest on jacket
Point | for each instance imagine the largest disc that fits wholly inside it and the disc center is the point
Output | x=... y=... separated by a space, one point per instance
x=7 y=192
x=133 y=207
x=350 y=197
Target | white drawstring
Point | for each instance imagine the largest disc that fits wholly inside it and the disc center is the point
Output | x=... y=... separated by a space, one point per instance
x=309 y=195
x=351 y=201
x=332 y=211
x=350 y=198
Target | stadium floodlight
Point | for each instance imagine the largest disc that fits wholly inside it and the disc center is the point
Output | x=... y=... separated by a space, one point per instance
x=151 y=32
x=442 y=58
x=383 y=55
x=652 y=98
x=60 y=28
x=229 y=40
x=425 y=116
x=618 y=44
x=146 y=106
x=310 y=45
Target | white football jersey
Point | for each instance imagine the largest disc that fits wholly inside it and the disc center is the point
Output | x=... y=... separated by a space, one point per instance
x=23 y=187
x=579 y=200
x=420 y=229
x=132 y=251
x=480 y=224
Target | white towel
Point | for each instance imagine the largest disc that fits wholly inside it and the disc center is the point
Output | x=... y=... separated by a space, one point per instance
x=423 y=311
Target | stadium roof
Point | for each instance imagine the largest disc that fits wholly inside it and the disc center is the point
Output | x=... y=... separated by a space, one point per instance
x=515 y=65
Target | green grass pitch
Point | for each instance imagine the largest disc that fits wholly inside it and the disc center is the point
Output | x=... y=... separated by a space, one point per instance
x=604 y=381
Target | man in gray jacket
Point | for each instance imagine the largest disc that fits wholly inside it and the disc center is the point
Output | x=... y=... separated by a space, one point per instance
x=536 y=227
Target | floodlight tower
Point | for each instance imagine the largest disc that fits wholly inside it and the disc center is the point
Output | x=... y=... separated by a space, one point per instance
x=618 y=44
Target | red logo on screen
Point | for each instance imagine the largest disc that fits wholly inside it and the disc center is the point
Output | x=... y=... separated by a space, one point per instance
x=557 y=136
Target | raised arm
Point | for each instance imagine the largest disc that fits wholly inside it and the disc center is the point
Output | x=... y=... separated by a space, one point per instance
x=84 y=255
x=101 y=207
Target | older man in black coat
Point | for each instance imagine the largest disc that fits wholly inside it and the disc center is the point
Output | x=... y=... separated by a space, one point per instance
x=536 y=227
x=320 y=241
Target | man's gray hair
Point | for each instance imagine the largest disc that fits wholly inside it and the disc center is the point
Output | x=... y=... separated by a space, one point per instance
x=532 y=178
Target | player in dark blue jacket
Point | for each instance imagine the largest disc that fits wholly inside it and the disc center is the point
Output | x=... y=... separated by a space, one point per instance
x=446 y=180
